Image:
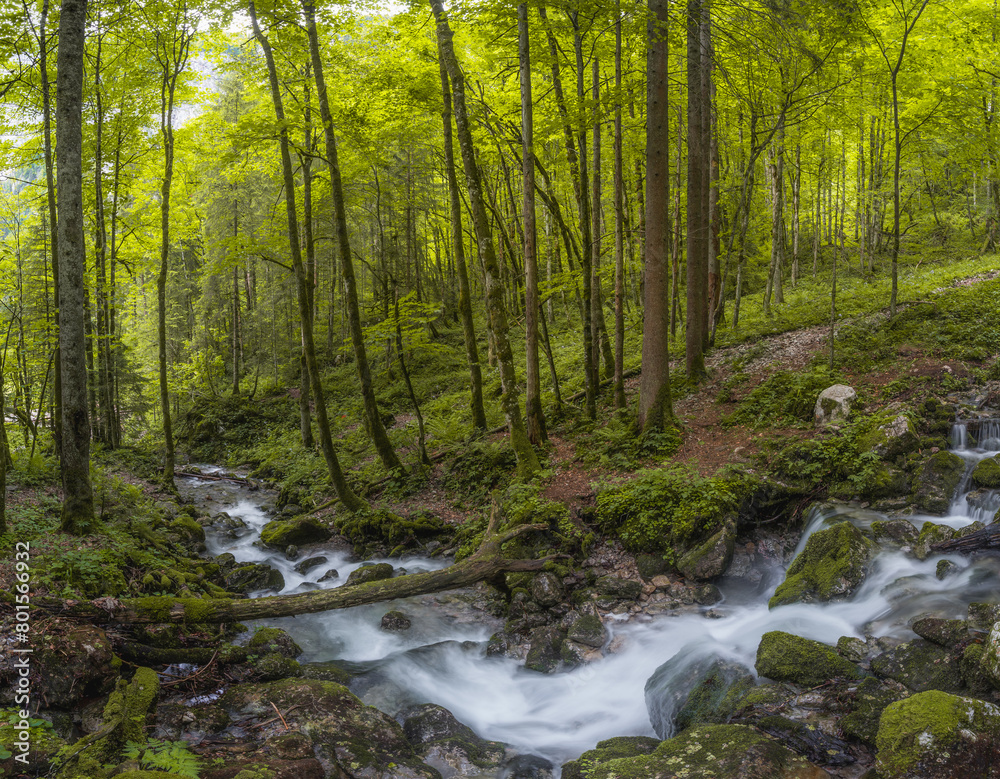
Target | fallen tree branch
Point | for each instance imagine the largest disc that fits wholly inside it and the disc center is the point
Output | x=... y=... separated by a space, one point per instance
x=987 y=538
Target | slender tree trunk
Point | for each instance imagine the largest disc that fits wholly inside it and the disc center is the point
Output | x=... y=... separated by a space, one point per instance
x=421 y=439
x=351 y=501
x=655 y=408
x=527 y=460
x=619 y=223
x=376 y=430
x=533 y=394
x=78 y=498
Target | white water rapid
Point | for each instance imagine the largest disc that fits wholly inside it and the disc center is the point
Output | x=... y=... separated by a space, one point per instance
x=442 y=658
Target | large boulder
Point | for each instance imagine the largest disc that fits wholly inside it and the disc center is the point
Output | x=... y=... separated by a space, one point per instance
x=987 y=473
x=370 y=573
x=834 y=405
x=544 y=651
x=936 y=482
x=713 y=752
x=991 y=655
x=254 y=576
x=693 y=689
x=892 y=439
x=831 y=566
x=785 y=657
x=710 y=558
x=934 y=735
x=609 y=749
x=866 y=705
x=921 y=666
x=280 y=533
x=449 y=746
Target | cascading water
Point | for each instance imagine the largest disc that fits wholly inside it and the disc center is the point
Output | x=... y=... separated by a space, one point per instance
x=442 y=658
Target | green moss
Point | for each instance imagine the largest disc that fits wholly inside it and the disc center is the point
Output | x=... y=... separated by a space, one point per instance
x=832 y=565
x=188 y=528
x=788 y=658
x=937 y=481
x=927 y=727
x=609 y=749
x=377 y=531
x=987 y=473
x=866 y=706
x=279 y=533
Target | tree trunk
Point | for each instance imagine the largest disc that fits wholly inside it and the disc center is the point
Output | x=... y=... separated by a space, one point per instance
x=527 y=460
x=655 y=408
x=619 y=223
x=78 y=498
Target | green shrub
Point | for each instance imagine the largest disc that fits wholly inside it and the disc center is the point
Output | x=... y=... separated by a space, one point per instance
x=786 y=398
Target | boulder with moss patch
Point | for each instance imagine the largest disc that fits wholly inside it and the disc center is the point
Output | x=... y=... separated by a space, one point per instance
x=921 y=666
x=991 y=655
x=713 y=752
x=831 y=566
x=254 y=576
x=449 y=746
x=710 y=559
x=280 y=533
x=866 y=704
x=274 y=640
x=73 y=662
x=785 y=657
x=987 y=473
x=935 y=735
x=834 y=405
x=370 y=573
x=936 y=482
x=931 y=533
x=609 y=749
x=377 y=531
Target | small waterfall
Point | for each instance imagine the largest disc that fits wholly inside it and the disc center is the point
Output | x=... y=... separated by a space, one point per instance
x=959 y=438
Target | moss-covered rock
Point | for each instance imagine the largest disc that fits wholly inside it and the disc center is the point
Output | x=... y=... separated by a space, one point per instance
x=370 y=573
x=187 y=528
x=32 y=741
x=377 y=531
x=650 y=565
x=543 y=652
x=449 y=746
x=616 y=587
x=72 y=662
x=937 y=481
x=274 y=640
x=546 y=589
x=866 y=705
x=588 y=630
x=785 y=657
x=991 y=655
x=895 y=437
x=609 y=749
x=978 y=682
x=934 y=735
x=982 y=616
x=895 y=532
x=987 y=473
x=711 y=558
x=254 y=576
x=279 y=533
x=921 y=666
x=807 y=739
x=832 y=565
x=834 y=405
x=948 y=633
x=713 y=752
x=931 y=533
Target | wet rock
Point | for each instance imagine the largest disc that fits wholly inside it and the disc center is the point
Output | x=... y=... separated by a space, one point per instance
x=703 y=690
x=370 y=573
x=854 y=649
x=394 y=621
x=934 y=735
x=175 y=721
x=573 y=653
x=546 y=589
x=784 y=657
x=290 y=746
x=527 y=767
x=291 y=510
x=931 y=533
x=714 y=752
x=274 y=665
x=866 y=705
x=831 y=566
x=274 y=640
x=254 y=576
x=187 y=528
x=307 y=565
x=651 y=565
x=944 y=569
x=921 y=666
x=948 y=633
x=982 y=616
x=609 y=749
x=504 y=644
x=449 y=746
x=936 y=482
x=987 y=473
x=543 y=651
x=279 y=533
x=325 y=672
x=974 y=674
x=330 y=575
x=343 y=730
x=589 y=631
x=893 y=439
x=895 y=532
x=834 y=405
x=615 y=587
x=710 y=559
x=291 y=552
x=991 y=655
x=707 y=595
x=808 y=740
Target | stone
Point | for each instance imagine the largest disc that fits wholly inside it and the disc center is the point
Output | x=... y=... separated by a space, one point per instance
x=651 y=566
x=991 y=655
x=279 y=533
x=330 y=575
x=948 y=633
x=894 y=438
x=616 y=587
x=394 y=621
x=274 y=640
x=895 y=532
x=609 y=749
x=921 y=666
x=834 y=405
x=307 y=565
x=854 y=649
x=710 y=558
x=589 y=631
x=785 y=657
x=449 y=746
x=937 y=481
x=713 y=752
x=546 y=589
x=931 y=533
x=866 y=705
x=527 y=767
x=254 y=576
x=944 y=569
x=935 y=735
x=987 y=473
x=832 y=565
x=808 y=740
x=982 y=616
x=370 y=573
x=543 y=650
x=707 y=595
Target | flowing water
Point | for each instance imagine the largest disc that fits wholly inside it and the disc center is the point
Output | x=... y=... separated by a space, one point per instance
x=442 y=658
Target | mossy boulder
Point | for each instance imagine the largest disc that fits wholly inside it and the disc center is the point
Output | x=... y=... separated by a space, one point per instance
x=831 y=566
x=866 y=704
x=934 y=735
x=370 y=573
x=588 y=630
x=187 y=528
x=546 y=589
x=254 y=576
x=34 y=745
x=72 y=663
x=713 y=752
x=948 y=633
x=991 y=655
x=691 y=689
x=279 y=533
x=987 y=473
x=921 y=666
x=931 y=533
x=710 y=559
x=274 y=640
x=834 y=405
x=785 y=657
x=616 y=587
x=366 y=742
x=377 y=531
x=650 y=565
x=807 y=739
x=982 y=616
x=609 y=749
x=449 y=746
x=937 y=480
x=895 y=437
x=895 y=532
x=544 y=649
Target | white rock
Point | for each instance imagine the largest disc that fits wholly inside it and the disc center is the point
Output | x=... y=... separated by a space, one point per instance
x=834 y=404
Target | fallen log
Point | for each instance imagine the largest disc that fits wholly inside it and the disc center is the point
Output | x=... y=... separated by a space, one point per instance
x=211 y=477
x=486 y=563
x=987 y=538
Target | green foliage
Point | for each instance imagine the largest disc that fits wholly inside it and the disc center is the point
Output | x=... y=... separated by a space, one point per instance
x=39 y=730
x=619 y=445
x=33 y=470
x=480 y=468
x=663 y=507
x=784 y=399
x=171 y=756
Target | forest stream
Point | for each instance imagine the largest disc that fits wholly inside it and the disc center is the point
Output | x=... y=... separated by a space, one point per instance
x=442 y=658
